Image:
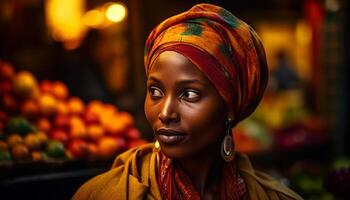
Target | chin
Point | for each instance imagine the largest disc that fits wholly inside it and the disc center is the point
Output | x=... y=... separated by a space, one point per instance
x=187 y=150
x=173 y=153
x=180 y=153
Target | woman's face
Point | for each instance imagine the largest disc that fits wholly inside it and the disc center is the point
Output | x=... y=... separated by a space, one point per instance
x=184 y=109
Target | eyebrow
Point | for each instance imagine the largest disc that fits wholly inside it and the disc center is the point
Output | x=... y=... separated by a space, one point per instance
x=181 y=82
x=152 y=78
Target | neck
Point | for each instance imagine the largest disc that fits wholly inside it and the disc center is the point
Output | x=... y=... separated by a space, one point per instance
x=200 y=166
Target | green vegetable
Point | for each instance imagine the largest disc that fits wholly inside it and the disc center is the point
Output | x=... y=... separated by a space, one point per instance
x=19 y=125
x=5 y=155
x=55 y=149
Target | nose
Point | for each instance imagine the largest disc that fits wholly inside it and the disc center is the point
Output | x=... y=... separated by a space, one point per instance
x=169 y=111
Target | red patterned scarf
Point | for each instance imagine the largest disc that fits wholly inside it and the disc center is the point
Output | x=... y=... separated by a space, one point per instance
x=175 y=184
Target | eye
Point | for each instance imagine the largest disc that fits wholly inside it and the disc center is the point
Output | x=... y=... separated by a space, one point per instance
x=190 y=95
x=155 y=92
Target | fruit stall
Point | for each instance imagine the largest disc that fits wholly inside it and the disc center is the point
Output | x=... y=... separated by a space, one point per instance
x=46 y=134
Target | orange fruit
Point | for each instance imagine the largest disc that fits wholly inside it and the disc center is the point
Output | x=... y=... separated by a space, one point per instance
x=76 y=121
x=126 y=118
x=106 y=120
x=110 y=108
x=95 y=107
x=6 y=71
x=20 y=152
x=107 y=147
x=14 y=139
x=95 y=131
x=76 y=105
x=60 y=135
x=115 y=127
x=38 y=155
x=59 y=90
x=77 y=128
x=44 y=125
x=90 y=117
x=47 y=104
x=62 y=122
x=78 y=148
x=62 y=107
x=24 y=84
x=30 y=109
x=79 y=132
x=32 y=141
x=45 y=86
x=42 y=137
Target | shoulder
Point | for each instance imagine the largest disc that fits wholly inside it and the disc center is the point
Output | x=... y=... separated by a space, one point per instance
x=261 y=185
x=112 y=183
x=138 y=153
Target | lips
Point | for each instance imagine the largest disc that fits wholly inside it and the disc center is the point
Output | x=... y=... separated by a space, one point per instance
x=170 y=136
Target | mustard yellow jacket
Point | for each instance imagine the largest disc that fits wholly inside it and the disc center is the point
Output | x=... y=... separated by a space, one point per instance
x=134 y=177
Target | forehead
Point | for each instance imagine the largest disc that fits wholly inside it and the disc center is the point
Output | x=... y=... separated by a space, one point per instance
x=175 y=64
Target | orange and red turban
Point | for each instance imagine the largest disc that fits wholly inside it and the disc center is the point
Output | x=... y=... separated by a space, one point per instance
x=226 y=49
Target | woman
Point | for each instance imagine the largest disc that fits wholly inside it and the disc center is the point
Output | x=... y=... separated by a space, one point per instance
x=206 y=71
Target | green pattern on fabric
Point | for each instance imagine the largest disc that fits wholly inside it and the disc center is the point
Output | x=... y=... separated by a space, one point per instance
x=225 y=50
x=193 y=29
x=229 y=18
x=197 y=20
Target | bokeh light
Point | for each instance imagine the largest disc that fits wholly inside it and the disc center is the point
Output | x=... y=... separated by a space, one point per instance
x=116 y=12
x=93 y=18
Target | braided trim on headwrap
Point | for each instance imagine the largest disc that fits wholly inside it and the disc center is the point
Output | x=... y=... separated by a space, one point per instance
x=231 y=45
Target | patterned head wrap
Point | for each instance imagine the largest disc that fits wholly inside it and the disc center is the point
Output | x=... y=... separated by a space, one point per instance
x=226 y=49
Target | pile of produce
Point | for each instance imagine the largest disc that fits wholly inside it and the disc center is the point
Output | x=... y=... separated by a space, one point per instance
x=252 y=137
x=39 y=121
x=281 y=122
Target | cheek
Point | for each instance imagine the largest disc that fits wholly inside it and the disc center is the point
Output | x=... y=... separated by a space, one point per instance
x=205 y=117
x=149 y=111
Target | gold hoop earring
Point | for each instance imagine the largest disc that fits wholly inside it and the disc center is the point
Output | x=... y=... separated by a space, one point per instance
x=227 y=145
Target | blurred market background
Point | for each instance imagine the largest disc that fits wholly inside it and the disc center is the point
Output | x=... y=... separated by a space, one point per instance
x=72 y=87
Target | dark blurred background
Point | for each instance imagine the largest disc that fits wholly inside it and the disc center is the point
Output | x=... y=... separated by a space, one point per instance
x=299 y=133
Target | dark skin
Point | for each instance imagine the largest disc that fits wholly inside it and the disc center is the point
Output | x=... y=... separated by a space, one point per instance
x=182 y=101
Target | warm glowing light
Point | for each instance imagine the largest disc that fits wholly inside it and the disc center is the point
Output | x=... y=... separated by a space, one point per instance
x=116 y=12
x=64 y=19
x=303 y=33
x=72 y=44
x=93 y=18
